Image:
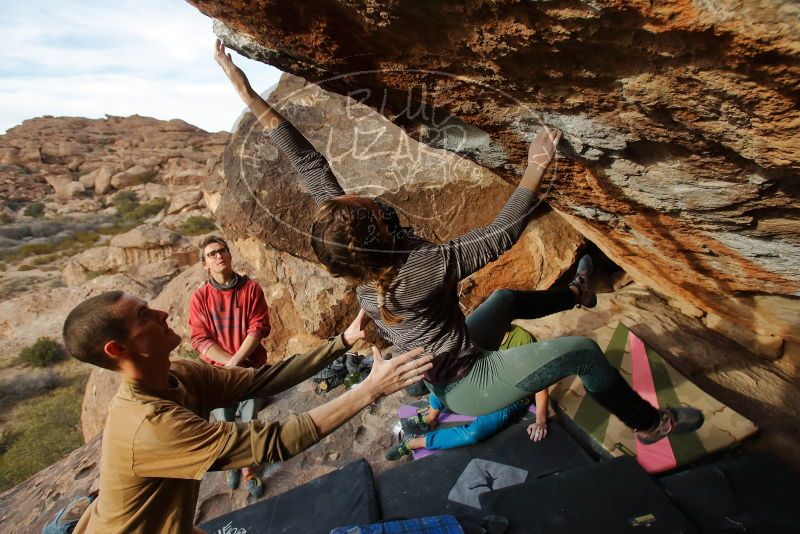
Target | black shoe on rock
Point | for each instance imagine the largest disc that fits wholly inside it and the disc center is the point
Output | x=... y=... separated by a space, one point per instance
x=586 y=296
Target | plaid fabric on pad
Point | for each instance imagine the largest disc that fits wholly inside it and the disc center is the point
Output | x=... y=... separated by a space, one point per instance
x=440 y=524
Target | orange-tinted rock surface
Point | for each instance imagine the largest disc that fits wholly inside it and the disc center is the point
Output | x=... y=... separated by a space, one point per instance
x=680 y=121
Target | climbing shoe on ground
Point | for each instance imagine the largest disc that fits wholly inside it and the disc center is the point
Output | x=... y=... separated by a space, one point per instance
x=232 y=478
x=255 y=486
x=399 y=450
x=586 y=295
x=672 y=421
x=327 y=384
x=416 y=425
x=416 y=390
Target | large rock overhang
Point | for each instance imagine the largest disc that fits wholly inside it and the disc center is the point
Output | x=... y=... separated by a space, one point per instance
x=681 y=131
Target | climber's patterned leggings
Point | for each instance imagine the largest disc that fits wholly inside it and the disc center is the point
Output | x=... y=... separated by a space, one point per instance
x=501 y=377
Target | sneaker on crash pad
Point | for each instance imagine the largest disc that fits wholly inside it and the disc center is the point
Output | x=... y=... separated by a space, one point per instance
x=672 y=421
x=416 y=425
x=255 y=486
x=399 y=450
x=232 y=478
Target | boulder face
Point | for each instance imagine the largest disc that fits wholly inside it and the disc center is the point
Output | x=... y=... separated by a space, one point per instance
x=34 y=503
x=681 y=136
x=262 y=203
x=679 y=157
x=100 y=389
x=146 y=252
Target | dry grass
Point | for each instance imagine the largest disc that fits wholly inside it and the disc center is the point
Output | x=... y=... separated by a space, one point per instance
x=40 y=412
x=42 y=430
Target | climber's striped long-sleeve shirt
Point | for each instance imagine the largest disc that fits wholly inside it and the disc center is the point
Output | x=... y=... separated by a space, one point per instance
x=424 y=293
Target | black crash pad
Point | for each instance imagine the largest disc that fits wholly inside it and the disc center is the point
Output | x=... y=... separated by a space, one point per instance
x=343 y=497
x=611 y=497
x=754 y=494
x=421 y=488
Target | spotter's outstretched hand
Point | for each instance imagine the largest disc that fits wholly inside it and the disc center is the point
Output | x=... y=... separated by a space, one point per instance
x=389 y=376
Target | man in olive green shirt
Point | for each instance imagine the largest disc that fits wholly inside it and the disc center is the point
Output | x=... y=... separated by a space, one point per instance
x=158 y=443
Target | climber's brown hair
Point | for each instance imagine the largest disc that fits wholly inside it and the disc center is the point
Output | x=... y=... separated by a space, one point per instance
x=351 y=240
x=93 y=323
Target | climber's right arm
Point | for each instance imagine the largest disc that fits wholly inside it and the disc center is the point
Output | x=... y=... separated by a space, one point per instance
x=266 y=115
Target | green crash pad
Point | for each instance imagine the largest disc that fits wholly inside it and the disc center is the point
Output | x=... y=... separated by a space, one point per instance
x=662 y=385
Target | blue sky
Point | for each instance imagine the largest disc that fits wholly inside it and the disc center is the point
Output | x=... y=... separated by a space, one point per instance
x=90 y=58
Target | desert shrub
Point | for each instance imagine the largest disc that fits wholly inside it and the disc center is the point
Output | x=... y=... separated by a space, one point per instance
x=42 y=260
x=42 y=353
x=44 y=429
x=67 y=246
x=26 y=267
x=26 y=385
x=83 y=238
x=146 y=210
x=196 y=225
x=130 y=210
x=118 y=227
x=125 y=200
x=6 y=440
x=34 y=209
x=35 y=249
x=78 y=242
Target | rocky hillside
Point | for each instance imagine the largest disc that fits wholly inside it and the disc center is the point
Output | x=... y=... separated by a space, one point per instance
x=86 y=159
x=85 y=199
x=87 y=206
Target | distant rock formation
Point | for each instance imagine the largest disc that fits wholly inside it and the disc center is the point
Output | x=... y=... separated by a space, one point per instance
x=80 y=246
x=147 y=252
x=74 y=155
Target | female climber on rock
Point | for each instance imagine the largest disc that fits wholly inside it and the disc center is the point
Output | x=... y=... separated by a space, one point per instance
x=409 y=288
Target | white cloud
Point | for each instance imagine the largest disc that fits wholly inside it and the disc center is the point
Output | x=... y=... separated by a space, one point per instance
x=89 y=59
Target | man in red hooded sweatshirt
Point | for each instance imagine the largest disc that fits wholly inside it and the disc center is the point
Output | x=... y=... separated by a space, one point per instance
x=228 y=317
